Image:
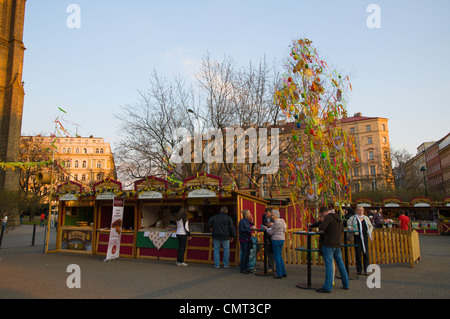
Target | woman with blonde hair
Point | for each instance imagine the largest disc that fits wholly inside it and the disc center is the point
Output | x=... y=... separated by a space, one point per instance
x=183 y=235
x=277 y=232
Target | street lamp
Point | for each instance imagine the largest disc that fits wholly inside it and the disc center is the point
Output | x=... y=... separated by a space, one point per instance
x=423 y=169
x=199 y=116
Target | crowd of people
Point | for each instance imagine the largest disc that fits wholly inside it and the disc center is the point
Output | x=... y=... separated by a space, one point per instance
x=330 y=223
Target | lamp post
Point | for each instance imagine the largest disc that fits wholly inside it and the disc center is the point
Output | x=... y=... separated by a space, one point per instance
x=199 y=116
x=423 y=169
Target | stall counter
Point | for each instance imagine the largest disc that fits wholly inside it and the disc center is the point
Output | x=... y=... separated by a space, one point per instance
x=76 y=239
x=200 y=248
x=127 y=242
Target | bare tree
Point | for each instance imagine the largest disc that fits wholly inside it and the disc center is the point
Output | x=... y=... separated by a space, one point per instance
x=399 y=160
x=222 y=97
x=148 y=129
x=241 y=98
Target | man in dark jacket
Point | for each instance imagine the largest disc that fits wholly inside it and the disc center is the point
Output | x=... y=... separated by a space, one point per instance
x=223 y=231
x=331 y=227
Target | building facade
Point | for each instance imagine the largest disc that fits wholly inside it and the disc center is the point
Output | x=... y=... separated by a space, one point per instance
x=85 y=160
x=444 y=154
x=374 y=169
x=436 y=158
x=415 y=176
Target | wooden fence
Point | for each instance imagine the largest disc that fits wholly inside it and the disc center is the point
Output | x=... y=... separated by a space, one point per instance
x=388 y=245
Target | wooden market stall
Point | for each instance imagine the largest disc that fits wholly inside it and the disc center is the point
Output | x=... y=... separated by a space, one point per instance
x=444 y=216
x=157 y=207
x=104 y=192
x=202 y=195
x=76 y=219
x=427 y=217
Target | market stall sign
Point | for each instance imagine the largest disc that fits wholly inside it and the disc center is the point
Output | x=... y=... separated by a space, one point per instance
x=150 y=195
x=201 y=193
x=392 y=205
x=68 y=197
x=105 y=196
x=422 y=205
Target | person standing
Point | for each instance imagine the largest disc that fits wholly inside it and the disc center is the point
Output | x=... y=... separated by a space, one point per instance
x=332 y=226
x=42 y=223
x=245 y=239
x=277 y=231
x=223 y=231
x=183 y=234
x=405 y=222
x=268 y=222
x=362 y=223
x=377 y=218
x=4 y=223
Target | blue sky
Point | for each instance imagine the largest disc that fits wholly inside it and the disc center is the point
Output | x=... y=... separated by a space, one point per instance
x=400 y=71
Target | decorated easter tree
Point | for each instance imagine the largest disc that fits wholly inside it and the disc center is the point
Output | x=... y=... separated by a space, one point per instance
x=312 y=98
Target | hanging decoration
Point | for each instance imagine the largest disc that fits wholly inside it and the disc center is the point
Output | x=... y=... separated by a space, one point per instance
x=312 y=98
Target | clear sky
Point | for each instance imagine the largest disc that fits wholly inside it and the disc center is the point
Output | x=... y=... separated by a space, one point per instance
x=400 y=71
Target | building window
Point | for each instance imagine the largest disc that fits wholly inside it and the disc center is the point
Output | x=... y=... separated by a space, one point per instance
x=75 y=177
x=97 y=151
x=84 y=164
x=384 y=139
x=99 y=176
x=77 y=150
x=76 y=164
x=84 y=150
x=99 y=164
x=369 y=140
x=368 y=129
x=83 y=177
x=352 y=130
x=371 y=155
x=372 y=170
x=69 y=150
x=356 y=171
x=101 y=151
x=383 y=127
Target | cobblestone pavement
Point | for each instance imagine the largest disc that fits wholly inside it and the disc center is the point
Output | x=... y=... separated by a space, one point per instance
x=25 y=271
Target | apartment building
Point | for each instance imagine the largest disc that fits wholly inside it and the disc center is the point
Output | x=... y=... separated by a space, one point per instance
x=374 y=169
x=85 y=160
x=437 y=164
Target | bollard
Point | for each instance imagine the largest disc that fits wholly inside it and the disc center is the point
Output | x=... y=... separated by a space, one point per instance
x=1 y=236
x=34 y=234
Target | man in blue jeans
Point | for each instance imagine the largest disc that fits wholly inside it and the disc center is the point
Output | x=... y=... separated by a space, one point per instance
x=245 y=239
x=332 y=227
x=223 y=231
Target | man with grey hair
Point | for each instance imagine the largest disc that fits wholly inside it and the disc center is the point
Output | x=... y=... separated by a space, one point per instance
x=223 y=231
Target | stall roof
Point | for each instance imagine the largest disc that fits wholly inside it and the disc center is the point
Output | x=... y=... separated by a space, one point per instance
x=250 y=197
